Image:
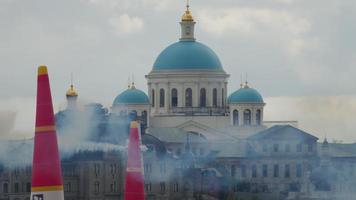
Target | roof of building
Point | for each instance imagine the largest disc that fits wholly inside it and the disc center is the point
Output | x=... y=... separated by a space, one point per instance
x=131 y=96
x=245 y=95
x=187 y=55
x=282 y=132
x=175 y=135
x=339 y=150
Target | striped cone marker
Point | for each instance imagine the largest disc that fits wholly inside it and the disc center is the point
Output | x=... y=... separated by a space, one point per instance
x=47 y=181
x=134 y=188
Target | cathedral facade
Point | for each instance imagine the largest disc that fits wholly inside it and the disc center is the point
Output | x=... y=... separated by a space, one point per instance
x=201 y=141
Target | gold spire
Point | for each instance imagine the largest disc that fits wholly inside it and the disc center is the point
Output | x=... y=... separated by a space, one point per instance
x=71 y=92
x=187 y=16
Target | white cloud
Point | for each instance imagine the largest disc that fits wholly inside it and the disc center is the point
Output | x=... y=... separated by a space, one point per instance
x=124 y=24
x=282 y=26
x=250 y=20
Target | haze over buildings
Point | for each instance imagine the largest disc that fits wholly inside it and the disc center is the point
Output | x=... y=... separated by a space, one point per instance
x=299 y=54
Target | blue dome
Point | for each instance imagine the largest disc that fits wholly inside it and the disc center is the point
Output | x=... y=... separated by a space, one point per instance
x=131 y=96
x=245 y=95
x=187 y=55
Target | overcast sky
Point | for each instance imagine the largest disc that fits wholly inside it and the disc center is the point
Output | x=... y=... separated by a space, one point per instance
x=300 y=54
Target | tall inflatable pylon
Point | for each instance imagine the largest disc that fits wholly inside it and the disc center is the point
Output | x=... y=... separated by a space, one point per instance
x=134 y=185
x=47 y=180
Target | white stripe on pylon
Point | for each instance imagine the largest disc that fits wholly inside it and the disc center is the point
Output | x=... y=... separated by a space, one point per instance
x=47 y=195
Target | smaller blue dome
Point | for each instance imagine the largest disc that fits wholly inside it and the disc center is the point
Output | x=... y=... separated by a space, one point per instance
x=131 y=96
x=245 y=95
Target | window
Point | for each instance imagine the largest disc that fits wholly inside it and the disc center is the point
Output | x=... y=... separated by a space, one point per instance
x=153 y=97
x=276 y=170
x=258 y=117
x=215 y=97
x=202 y=97
x=265 y=170
x=265 y=147
x=144 y=117
x=310 y=147
x=161 y=98
x=247 y=117
x=28 y=187
x=148 y=168
x=96 y=187
x=287 y=147
x=175 y=187
x=235 y=117
x=162 y=168
x=16 y=187
x=287 y=171
x=68 y=187
x=174 y=97
x=233 y=170
x=188 y=97
x=254 y=171
x=275 y=147
x=96 y=169
x=163 y=186
x=222 y=97
x=299 y=170
x=5 y=188
x=148 y=187
x=299 y=147
x=243 y=171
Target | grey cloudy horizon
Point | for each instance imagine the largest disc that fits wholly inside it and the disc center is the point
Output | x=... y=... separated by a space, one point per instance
x=299 y=54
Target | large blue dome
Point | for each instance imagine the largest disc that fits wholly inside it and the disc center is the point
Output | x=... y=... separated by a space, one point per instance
x=187 y=55
x=245 y=95
x=131 y=96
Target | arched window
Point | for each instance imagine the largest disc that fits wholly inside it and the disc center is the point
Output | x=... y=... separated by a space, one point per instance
x=153 y=98
x=215 y=97
x=258 y=117
x=247 y=117
x=235 y=117
x=174 y=97
x=202 y=97
x=144 y=118
x=5 y=188
x=188 y=97
x=222 y=97
x=161 y=98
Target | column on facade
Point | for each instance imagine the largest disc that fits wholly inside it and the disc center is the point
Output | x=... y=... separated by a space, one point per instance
x=181 y=95
x=253 y=115
x=225 y=94
x=241 y=114
x=156 y=98
x=167 y=98
x=209 y=95
x=232 y=115
x=219 y=95
x=196 y=92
